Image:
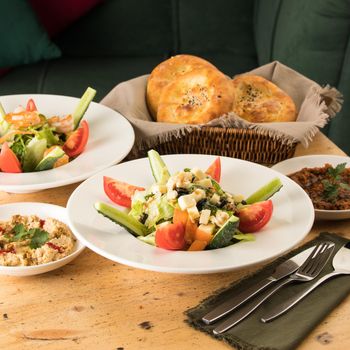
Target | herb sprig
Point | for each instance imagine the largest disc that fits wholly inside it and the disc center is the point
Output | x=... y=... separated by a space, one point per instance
x=331 y=186
x=37 y=236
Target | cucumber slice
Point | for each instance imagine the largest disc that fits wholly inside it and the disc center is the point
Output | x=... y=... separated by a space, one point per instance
x=159 y=169
x=120 y=218
x=83 y=105
x=2 y=112
x=48 y=162
x=223 y=237
x=265 y=192
x=34 y=154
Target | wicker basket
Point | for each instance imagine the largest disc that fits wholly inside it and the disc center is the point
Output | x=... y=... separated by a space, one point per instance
x=247 y=144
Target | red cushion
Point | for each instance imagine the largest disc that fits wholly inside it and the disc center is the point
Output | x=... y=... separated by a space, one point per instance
x=56 y=15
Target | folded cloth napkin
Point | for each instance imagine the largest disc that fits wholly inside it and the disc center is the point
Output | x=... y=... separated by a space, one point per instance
x=315 y=105
x=287 y=331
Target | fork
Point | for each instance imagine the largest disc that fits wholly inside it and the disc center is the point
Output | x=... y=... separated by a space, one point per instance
x=310 y=269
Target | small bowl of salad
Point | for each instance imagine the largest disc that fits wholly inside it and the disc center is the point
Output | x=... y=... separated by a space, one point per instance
x=31 y=141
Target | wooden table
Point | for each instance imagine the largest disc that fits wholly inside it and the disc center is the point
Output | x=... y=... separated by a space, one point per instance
x=94 y=303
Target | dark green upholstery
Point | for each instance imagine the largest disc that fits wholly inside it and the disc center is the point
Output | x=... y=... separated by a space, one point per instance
x=121 y=39
x=311 y=37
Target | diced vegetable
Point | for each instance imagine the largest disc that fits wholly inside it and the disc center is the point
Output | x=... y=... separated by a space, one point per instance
x=254 y=217
x=83 y=105
x=9 y=163
x=48 y=161
x=120 y=218
x=265 y=192
x=197 y=246
x=224 y=235
x=34 y=153
x=76 y=142
x=204 y=233
x=180 y=216
x=190 y=231
x=159 y=169
x=170 y=236
x=214 y=170
x=149 y=239
x=119 y=192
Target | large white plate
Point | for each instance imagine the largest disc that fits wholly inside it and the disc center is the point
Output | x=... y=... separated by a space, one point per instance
x=110 y=140
x=292 y=218
x=44 y=211
x=292 y=165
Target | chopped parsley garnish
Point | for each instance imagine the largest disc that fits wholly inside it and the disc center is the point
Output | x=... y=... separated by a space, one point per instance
x=331 y=186
x=37 y=236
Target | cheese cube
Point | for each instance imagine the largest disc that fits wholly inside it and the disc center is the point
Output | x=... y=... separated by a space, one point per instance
x=198 y=194
x=186 y=201
x=209 y=228
x=205 y=182
x=193 y=213
x=198 y=173
x=171 y=195
x=221 y=217
x=205 y=215
x=215 y=199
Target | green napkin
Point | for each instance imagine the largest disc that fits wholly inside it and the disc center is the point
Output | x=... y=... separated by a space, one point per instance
x=287 y=331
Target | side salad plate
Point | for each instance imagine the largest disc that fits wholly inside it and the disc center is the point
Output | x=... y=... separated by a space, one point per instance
x=48 y=141
x=189 y=213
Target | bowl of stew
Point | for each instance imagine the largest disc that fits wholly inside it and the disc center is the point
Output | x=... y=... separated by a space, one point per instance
x=326 y=180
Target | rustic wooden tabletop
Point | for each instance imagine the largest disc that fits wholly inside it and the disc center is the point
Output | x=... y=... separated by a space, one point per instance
x=94 y=303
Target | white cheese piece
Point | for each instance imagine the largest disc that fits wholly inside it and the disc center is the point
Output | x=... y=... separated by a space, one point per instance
x=205 y=215
x=198 y=173
x=171 y=195
x=238 y=198
x=207 y=228
x=221 y=217
x=204 y=182
x=193 y=213
x=186 y=201
x=198 y=194
x=215 y=198
x=170 y=185
x=158 y=189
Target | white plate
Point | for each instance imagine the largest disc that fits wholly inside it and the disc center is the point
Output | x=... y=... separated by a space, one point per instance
x=110 y=140
x=42 y=210
x=292 y=165
x=292 y=218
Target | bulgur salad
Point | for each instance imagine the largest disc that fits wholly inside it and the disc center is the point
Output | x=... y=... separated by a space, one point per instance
x=30 y=240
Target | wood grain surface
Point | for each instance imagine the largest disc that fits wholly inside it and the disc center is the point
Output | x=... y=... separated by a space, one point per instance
x=94 y=303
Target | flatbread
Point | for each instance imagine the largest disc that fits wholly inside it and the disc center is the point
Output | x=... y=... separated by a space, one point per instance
x=258 y=100
x=196 y=97
x=168 y=71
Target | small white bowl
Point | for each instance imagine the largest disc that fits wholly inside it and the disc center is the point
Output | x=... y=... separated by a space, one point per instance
x=42 y=210
x=292 y=165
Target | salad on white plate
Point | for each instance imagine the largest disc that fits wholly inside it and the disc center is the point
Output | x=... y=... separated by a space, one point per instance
x=31 y=141
x=187 y=210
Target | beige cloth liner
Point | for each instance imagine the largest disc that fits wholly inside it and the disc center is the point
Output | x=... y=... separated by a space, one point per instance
x=315 y=104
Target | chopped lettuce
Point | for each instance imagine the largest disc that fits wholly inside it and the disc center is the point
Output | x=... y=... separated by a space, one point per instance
x=150 y=239
x=34 y=153
x=247 y=237
x=158 y=209
x=47 y=134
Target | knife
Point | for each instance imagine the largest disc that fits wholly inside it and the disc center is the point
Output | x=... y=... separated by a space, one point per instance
x=284 y=269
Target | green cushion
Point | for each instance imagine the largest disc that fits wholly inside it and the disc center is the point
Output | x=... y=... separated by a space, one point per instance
x=22 y=38
x=219 y=26
x=123 y=27
x=71 y=76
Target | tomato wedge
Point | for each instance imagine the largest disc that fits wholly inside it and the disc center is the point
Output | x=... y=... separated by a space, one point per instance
x=254 y=217
x=119 y=192
x=214 y=170
x=76 y=142
x=171 y=236
x=31 y=107
x=9 y=162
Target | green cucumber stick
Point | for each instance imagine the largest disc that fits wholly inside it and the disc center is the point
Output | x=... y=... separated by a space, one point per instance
x=2 y=112
x=265 y=192
x=83 y=105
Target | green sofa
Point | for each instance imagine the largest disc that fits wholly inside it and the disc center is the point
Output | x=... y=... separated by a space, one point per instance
x=121 y=39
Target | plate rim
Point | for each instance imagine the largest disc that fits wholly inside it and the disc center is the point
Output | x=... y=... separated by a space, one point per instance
x=26 y=188
x=187 y=270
